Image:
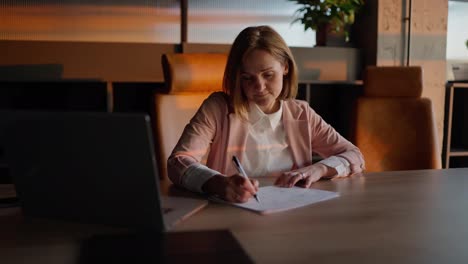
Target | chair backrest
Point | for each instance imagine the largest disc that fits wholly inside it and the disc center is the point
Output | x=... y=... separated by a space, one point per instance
x=394 y=127
x=189 y=79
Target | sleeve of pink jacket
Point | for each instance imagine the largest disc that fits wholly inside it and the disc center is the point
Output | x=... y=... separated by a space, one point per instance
x=326 y=142
x=194 y=144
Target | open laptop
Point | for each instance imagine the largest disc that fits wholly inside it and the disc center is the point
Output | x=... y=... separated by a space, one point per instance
x=89 y=167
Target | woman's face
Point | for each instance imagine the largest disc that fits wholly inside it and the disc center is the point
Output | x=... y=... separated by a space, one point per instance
x=262 y=79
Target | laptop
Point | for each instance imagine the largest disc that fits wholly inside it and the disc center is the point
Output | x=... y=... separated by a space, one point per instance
x=89 y=167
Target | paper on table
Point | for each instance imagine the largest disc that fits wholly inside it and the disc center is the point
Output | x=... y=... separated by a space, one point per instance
x=276 y=199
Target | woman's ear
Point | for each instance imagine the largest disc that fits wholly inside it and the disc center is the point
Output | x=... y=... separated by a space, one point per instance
x=286 y=69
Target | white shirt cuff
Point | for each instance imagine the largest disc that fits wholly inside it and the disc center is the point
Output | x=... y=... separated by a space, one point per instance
x=196 y=175
x=341 y=165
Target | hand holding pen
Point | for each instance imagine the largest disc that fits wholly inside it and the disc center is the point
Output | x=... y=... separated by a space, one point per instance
x=241 y=171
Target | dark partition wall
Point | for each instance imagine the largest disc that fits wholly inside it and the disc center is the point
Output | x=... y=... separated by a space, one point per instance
x=53 y=95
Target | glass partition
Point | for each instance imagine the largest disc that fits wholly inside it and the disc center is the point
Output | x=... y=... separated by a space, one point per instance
x=91 y=20
x=214 y=21
x=152 y=21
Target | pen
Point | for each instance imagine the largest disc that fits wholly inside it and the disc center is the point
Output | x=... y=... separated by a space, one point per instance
x=241 y=170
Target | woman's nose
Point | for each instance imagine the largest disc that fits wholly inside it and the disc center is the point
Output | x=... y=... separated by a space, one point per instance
x=259 y=84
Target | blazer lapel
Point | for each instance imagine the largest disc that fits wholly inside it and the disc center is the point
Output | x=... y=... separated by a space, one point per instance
x=298 y=137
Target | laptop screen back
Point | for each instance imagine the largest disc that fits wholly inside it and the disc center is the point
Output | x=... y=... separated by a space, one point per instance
x=88 y=167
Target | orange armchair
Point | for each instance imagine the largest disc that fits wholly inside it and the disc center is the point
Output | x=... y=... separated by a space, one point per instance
x=189 y=79
x=394 y=126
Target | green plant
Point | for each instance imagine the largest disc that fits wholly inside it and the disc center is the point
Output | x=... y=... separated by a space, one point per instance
x=466 y=43
x=335 y=15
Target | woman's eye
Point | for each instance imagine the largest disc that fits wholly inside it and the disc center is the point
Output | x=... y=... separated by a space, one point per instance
x=245 y=78
x=268 y=75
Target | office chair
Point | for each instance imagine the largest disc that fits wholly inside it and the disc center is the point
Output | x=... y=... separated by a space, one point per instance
x=189 y=79
x=394 y=127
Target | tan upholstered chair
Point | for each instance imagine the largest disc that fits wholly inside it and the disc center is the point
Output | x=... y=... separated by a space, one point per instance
x=394 y=126
x=189 y=79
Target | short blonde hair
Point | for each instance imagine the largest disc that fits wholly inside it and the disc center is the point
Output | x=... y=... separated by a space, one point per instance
x=262 y=38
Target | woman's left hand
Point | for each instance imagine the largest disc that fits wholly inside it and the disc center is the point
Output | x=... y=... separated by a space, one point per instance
x=304 y=177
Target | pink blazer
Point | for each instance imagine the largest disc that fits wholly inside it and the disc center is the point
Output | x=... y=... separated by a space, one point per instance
x=215 y=130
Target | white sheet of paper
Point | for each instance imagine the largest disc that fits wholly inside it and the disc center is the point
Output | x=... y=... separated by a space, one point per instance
x=276 y=199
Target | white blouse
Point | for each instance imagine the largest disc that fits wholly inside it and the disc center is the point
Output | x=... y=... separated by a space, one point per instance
x=267 y=151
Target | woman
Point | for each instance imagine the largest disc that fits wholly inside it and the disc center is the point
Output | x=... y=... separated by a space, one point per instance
x=258 y=120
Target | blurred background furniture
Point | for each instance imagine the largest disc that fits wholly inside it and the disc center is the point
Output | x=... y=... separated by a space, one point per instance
x=189 y=79
x=394 y=126
x=455 y=148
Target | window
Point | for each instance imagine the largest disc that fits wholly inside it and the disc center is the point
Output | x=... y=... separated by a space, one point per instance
x=457 y=31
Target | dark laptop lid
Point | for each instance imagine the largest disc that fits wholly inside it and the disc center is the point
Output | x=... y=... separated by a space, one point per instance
x=88 y=167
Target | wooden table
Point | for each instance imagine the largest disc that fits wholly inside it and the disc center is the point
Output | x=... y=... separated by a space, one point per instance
x=389 y=217
x=58 y=242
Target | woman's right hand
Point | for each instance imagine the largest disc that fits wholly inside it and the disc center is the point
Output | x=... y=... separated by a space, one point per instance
x=235 y=188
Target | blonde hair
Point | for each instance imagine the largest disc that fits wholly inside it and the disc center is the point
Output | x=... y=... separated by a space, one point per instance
x=262 y=38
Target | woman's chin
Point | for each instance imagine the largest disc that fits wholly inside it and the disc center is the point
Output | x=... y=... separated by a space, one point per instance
x=264 y=101
x=267 y=106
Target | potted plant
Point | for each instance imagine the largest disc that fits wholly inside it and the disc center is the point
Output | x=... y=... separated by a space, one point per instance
x=327 y=16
